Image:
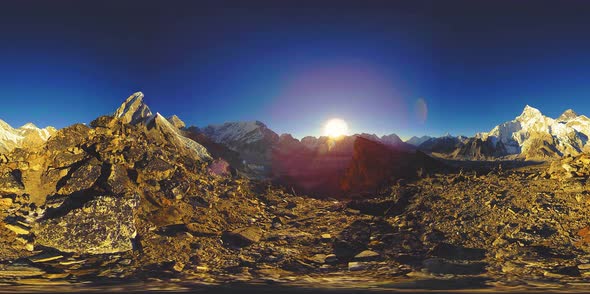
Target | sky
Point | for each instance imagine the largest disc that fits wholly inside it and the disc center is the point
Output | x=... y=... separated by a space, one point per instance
x=405 y=67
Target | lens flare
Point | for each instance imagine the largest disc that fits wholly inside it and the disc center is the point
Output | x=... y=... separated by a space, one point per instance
x=421 y=109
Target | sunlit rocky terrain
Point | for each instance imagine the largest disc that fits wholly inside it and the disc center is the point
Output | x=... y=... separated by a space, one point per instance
x=138 y=201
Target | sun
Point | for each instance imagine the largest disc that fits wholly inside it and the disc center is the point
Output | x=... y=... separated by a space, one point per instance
x=335 y=128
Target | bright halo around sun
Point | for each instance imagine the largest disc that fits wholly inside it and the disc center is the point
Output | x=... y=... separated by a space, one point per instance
x=335 y=128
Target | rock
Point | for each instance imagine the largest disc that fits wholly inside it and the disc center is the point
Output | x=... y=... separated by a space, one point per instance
x=45 y=257
x=318 y=258
x=326 y=237
x=18 y=229
x=118 y=181
x=331 y=258
x=5 y=203
x=11 y=182
x=166 y=216
x=584 y=234
x=441 y=266
x=243 y=236
x=551 y=275
x=176 y=121
x=133 y=110
x=103 y=225
x=30 y=247
x=585 y=266
x=178 y=266
x=571 y=271
x=12 y=271
x=199 y=201
x=353 y=239
x=126 y=262
x=56 y=276
x=450 y=251
x=367 y=255
x=80 y=178
x=359 y=265
x=200 y=229
x=156 y=169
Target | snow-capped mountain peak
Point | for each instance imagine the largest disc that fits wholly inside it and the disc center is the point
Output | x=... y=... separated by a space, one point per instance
x=530 y=113
x=567 y=115
x=417 y=141
x=391 y=139
x=27 y=135
x=4 y=125
x=534 y=135
x=243 y=132
x=30 y=126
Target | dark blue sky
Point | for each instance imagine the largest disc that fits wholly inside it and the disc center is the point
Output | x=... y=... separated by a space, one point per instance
x=295 y=64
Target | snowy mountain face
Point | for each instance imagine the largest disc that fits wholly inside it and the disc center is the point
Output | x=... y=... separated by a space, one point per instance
x=26 y=136
x=240 y=133
x=416 y=141
x=567 y=116
x=444 y=144
x=391 y=139
x=532 y=135
x=253 y=140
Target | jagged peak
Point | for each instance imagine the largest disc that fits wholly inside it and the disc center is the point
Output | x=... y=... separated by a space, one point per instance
x=243 y=125
x=30 y=126
x=176 y=121
x=529 y=112
x=5 y=125
x=133 y=110
x=287 y=137
x=567 y=115
x=367 y=136
x=391 y=139
x=159 y=121
x=259 y=123
x=392 y=135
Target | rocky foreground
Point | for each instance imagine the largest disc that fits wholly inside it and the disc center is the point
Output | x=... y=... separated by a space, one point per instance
x=129 y=202
x=510 y=229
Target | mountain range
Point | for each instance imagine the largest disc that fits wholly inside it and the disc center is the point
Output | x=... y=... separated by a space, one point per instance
x=323 y=165
x=529 y=136
x=28 y=135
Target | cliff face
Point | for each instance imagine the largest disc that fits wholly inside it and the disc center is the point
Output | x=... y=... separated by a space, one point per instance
x=375 y=165
x=340 y=172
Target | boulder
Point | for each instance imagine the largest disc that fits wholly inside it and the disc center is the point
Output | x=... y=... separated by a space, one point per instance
x=82 y=177
x=450 y=251
x=442 y=266
x=367 y=255
x=102 y=225
x=243 y=237
x=359 y=265
x=353 y=239
x=11 y=182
